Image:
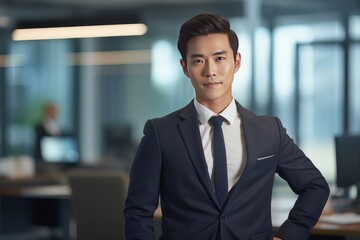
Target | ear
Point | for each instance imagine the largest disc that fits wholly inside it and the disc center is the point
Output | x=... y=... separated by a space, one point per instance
x=237 y=62
x=184 y=67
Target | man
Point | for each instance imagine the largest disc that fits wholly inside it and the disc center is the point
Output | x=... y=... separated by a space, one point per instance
x=47 y=127
x=176 y=157
x=42 y=211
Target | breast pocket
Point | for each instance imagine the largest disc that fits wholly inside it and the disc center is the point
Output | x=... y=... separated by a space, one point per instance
x=265 y=157
x=266 y=161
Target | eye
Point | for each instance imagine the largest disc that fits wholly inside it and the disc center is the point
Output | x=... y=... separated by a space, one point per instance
x=196 y=61
x=220 y=58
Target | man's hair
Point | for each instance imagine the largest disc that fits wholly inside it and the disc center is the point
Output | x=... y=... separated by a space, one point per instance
x=202 y=25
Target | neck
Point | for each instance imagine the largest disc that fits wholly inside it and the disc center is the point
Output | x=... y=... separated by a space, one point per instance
x=217 y=106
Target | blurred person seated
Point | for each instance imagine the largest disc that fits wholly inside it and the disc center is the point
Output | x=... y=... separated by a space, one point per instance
x=48 y=126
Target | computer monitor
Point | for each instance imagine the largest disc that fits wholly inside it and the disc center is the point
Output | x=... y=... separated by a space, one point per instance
x=347 y=150
x=60 y=150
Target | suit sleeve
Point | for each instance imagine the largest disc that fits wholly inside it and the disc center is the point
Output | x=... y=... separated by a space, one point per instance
x=306 y=181
x=143 y=193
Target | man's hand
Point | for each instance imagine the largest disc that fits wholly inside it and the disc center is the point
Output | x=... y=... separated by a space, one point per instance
x=276 y=238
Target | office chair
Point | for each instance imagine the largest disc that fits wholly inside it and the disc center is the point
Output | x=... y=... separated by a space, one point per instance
x=98 y=198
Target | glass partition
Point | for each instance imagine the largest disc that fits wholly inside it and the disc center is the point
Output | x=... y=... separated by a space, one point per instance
x=37 y=73
x=320 y=103
x=355 y=88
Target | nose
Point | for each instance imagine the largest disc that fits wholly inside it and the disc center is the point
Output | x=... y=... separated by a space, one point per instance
x=210 y=69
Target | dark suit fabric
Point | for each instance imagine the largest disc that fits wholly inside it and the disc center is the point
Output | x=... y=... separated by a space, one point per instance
x=40 y=132
x=170 y=162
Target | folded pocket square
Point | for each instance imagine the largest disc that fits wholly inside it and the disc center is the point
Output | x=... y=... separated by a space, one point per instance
x=265 y=157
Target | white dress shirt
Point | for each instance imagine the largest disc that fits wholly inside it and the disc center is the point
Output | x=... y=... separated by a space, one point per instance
x=235 y=147
x=51 y=127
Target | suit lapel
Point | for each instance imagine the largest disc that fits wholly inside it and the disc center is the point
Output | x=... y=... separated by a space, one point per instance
x=250 y=132
x=189 y=129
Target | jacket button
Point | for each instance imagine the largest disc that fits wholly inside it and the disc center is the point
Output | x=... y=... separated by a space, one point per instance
x=223 y=216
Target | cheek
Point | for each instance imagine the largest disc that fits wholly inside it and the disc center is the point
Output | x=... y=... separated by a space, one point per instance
x=194 y=73
x=227 y=70
x=194 y=82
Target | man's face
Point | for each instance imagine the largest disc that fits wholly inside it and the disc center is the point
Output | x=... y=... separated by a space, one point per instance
x=211 y=67
x=50 y=112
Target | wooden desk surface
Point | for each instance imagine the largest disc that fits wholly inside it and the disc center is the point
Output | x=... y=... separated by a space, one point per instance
x=52 y=186
x=322 y=228
x=282 y=206
x=336 y=229
x=39 y=180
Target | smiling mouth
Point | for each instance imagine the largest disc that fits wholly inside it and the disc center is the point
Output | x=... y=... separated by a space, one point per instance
x=210 y=84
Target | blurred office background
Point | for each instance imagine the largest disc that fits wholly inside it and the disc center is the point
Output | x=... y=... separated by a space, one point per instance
x=300 y=62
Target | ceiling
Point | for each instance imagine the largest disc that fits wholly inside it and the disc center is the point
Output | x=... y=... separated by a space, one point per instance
x=47 y=10
x=30 y=11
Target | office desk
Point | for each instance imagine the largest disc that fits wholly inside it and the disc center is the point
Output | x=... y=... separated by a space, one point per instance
x=44 y=196
x=337 y=230
x=322 y=230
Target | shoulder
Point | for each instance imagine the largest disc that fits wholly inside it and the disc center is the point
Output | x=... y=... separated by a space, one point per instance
x=171 y=120
x=177 y=116
x=248 y=116
x=265 y=125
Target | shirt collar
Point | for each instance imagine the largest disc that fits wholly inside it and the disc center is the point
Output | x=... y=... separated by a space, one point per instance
x=204 y=114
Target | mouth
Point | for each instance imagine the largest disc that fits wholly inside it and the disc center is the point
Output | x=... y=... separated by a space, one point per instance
x=212 y=84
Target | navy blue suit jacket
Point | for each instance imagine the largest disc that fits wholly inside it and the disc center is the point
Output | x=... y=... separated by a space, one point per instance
x=170 y=163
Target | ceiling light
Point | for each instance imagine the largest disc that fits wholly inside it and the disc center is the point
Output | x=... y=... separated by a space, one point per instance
x=114 y=30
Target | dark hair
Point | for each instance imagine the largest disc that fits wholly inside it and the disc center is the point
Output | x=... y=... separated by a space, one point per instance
x=204 y=24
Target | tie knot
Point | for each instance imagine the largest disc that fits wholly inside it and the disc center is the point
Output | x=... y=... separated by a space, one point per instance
x=216 y=120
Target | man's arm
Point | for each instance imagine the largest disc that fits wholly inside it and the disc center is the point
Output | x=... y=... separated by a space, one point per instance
x=143 y=193
x=306 y=181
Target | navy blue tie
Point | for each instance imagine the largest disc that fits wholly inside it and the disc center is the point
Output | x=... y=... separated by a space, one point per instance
x=220 y=167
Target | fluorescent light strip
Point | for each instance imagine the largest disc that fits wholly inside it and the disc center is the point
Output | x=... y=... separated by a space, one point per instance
x=79 y=32
x=110 y=58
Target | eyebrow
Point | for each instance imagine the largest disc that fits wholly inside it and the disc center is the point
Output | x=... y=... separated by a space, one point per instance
x=196 y=55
